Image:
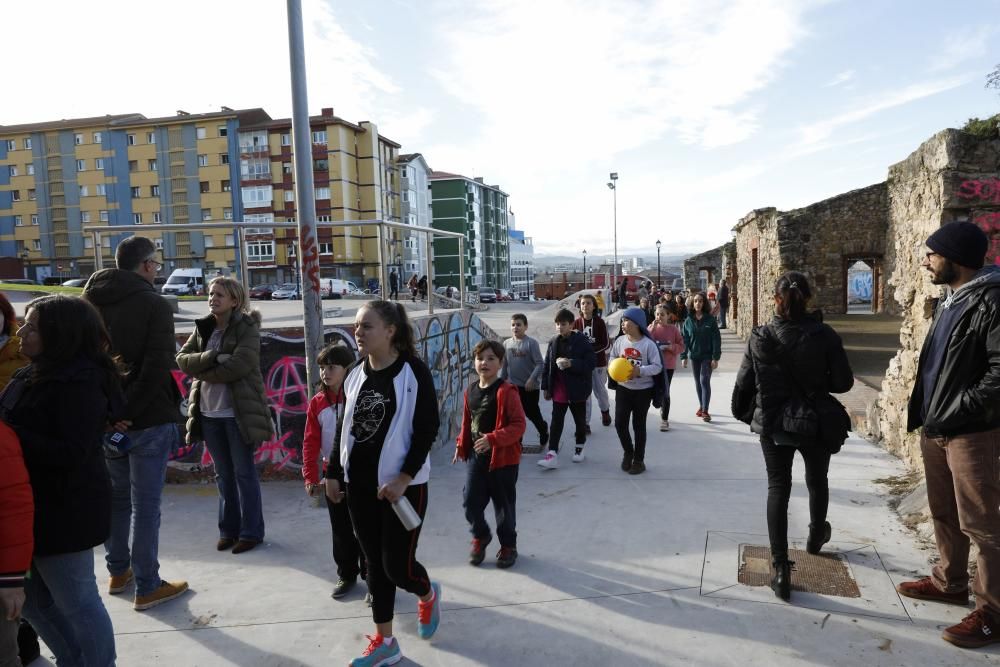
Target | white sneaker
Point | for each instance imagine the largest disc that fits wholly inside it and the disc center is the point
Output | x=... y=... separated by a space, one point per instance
x=664 y=425
x=577 y=458
x=550 y=461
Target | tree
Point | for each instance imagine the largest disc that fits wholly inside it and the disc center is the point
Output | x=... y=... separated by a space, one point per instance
x=993 y=78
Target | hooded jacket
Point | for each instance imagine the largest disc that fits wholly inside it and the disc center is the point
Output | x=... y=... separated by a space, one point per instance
x=702 y=340
x=505 y=438
x=966 y=398
x=579 y=376
x=241 y=372
x=141 y=325
x=811 y=349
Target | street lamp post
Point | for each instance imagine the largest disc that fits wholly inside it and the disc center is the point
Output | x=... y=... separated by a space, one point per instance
x=659 y=285
x=584 y=269
x=613 y=184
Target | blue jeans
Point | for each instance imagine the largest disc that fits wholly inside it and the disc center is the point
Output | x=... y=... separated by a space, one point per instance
x=703 y=381
x=723 y=311
x=64 y=607
x=240 y=512
x=136 y=488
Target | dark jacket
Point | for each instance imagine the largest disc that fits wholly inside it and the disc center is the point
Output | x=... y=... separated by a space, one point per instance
x=505 y=438
x=810 y=349
x=60 y=422
x=702 y=340
x=241 y=371
x=966 y=398
x=141 y=325
x=579 y=376
x=16 y=512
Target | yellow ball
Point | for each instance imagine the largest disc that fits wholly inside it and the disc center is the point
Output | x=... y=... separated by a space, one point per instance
x=620 y=369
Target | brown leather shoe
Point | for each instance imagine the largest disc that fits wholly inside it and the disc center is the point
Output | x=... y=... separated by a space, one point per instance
x=925 y=589
x=167 y=591
x=976 y=630
x=119 y=582
x=225 y=543
x=245 y=545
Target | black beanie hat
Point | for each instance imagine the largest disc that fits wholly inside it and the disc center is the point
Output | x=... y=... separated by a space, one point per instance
x=962 y=242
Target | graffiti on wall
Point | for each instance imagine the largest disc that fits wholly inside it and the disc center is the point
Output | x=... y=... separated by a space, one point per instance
x=990 y=223
x=983 y=191
x=444 y=341
x=859 y=286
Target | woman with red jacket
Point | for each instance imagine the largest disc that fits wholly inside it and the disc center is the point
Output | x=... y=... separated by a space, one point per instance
x=17 y=511
x=493 y=423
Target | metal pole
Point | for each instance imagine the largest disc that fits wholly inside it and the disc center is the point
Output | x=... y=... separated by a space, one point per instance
x=381 y=262
x=98 y=252
x=308 y=253
x=244 y=264
x=430 y=282
x=584 y=269
x=614 y=268
x=461 y=272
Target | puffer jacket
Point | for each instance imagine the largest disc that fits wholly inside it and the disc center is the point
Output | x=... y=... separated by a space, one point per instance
x=966 y=398
x=241 y=372
x=809 y=348
x=17 y=511
x=11 y=359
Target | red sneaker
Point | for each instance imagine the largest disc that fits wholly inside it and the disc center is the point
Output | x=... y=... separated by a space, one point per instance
x=478 y=551
x=924 y=589
x=700 y=413
x=976 y=630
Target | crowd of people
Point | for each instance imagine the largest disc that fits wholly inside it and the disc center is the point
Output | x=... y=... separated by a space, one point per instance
x=92 y=471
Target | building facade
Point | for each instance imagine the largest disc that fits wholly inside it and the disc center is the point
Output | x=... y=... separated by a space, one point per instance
x=479 y=211
x=411 y=253
x=522 y=265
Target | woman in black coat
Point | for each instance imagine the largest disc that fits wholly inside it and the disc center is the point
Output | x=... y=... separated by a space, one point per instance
x=798 y=343
x=60 y=406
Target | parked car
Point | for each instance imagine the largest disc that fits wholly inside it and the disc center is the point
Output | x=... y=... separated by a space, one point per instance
x=487 y=295
x=262 y=291
x=286 y=291
x=75 y=282
x=159 y=282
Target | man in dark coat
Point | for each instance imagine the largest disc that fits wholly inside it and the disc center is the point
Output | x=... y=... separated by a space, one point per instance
x=393 y=284
x=141 y=324
x=956 y=399
x=723 y=300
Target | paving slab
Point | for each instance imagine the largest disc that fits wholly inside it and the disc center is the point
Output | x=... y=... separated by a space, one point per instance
x=613 y=570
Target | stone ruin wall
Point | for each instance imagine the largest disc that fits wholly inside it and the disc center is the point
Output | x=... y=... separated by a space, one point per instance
x=756 y=230
x=693 y=265
x=952 y=176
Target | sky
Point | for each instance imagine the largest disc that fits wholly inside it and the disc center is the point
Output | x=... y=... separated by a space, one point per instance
x=707 y=109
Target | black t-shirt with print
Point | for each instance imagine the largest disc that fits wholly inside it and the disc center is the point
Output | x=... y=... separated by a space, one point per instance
x=373 y=412
x=483 y=408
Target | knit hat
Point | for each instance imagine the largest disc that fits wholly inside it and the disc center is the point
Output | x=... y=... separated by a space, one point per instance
x=962 y=242
x=635 y=314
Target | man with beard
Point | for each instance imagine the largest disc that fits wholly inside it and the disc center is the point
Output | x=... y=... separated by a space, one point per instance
x=956 y=399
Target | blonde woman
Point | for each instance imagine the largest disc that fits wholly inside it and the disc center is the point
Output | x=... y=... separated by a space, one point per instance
x=227 y=408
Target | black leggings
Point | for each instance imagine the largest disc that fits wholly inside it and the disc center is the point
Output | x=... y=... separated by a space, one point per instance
x=389 y=549
x=579 y=412
x=529 y=401
x=632 y=404
x=665 y=408
x=778 y=459
x=346 y=550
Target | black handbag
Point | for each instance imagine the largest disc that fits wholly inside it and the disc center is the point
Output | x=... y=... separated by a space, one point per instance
x=818 y=417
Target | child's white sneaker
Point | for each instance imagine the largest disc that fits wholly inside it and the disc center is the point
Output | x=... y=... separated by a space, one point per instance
x=664 y=425
x=578 y=457
x=550 y=461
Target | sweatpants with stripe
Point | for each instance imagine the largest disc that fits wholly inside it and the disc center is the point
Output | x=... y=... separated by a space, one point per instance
x=389 y=548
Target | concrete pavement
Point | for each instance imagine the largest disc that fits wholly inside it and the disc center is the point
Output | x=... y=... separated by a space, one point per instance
x=613 y=569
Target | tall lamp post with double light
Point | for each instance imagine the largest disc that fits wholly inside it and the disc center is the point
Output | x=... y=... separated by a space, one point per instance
x=613 y=185
x=659 y=285
x=584 y=269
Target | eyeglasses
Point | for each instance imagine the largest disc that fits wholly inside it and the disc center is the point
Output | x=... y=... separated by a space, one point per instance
x=928 y=255
x=158 y=264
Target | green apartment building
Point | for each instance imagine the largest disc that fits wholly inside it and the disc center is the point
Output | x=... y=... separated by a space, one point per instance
x=469 y=206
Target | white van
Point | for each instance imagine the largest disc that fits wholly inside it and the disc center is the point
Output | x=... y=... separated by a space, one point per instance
x=334 y=288
x=188 y=282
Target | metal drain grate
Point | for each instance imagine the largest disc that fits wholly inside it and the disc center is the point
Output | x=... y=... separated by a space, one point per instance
x=824 y=574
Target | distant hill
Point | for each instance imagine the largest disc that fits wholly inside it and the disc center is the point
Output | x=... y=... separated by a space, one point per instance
x=544 y=262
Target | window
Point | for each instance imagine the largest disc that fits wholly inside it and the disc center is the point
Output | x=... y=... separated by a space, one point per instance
x=257 y=195
x=11 y=145
x=322 y=218
x=158 y=217
x=99 y=164
x=12 y=170
x=133 y=165
x=319 y=137
x=253 y=169
x=84 y=191
x=223 y=158
x=152 y=165
x=321 y=165
x=34 y=219
x=158 y=244
x=326 y=248
x=98 y=138
x=227 y=213
x=106 y=242
x=32 y=195
x=137 y=218
x=260 y=251
x=227 y=186
x=286 y=167
x=223 y=131
x=154 y=191
x=136 y=192
x=81 y=165
x=88 y=242
x=203 y=187
x=289 y=195
x=84 y=216
x=202 y=160
x=77 y=138
x=36 y=244
x=27 y=143
x=322 y=193
x=130 y=139
x=151 y=137
x=31 y=170
x=206 y=214
x=101 y=189
x=15 y=195
x=18 y=222
x=228 y=240
x=103 y=216
x=209 y=242
x=406 y=195
x=200 y=132
x=286 y=140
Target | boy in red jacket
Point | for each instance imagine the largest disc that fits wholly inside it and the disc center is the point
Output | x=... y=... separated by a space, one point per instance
x=17 y=513
x=492 y=425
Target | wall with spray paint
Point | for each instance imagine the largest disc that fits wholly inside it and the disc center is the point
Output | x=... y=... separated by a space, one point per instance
x=444 y=341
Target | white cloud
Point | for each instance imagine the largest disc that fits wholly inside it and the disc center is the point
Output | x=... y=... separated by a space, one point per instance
x=841 y=78
x=962 y=46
